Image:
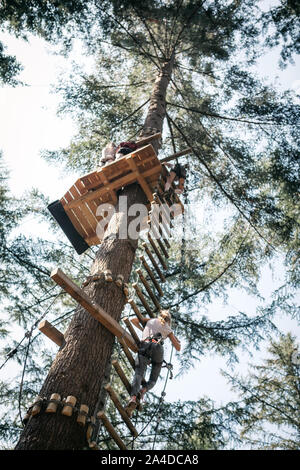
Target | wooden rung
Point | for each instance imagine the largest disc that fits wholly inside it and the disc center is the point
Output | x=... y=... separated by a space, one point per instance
x=136 y=311
x=49 y=330
x=122 y=375
x=161 y=191
x=164 y=216
x=127 y=352
x=141 y=180
x=152 y=277
x=132 y=330
x=111 y=430
x=116 y=401
x=94 y=309
x=154 y=263
x=144 y=140
x=143 y=300
x=164 y=221
x=148 y=288
x=157 y=229
x=156 y=250
x=162 y=247
x=176 y=155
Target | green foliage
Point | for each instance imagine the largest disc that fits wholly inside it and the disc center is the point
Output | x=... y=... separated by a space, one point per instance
x=268 y=410
x=55 y=21
x=9 y=68
x=282 y=25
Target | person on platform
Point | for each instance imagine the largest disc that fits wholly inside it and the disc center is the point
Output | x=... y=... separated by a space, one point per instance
x=108 y=154
x=124 y=148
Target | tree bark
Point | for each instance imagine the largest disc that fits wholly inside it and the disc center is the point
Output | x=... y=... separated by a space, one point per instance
x=80 y=366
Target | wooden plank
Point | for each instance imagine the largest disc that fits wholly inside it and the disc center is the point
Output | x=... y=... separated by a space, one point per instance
x=105 y=181
x=127 y=352
x=87 y=219
x=94 y=240
x=132 y=330
x=165 y=214
x=125 y=180
x=151 y=275
x=145 y=140
x=157 y=230
x=176 y=155
x=154 y=263
x=122 y=375
x=162 y=247
x=143 y=300
x=111 y=430
x=94 y=309
x=164 y=222
x=148 y=289
x=53 y=333
x=141 y=180
x=74 y=215
x=81 y=188
x=116 y=401
x=156 y=250
x=136 y=311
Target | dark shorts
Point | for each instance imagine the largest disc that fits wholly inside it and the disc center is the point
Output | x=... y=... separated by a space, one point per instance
x=179 y=170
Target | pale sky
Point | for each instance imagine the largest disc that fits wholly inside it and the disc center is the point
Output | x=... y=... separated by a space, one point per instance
x=28 y=124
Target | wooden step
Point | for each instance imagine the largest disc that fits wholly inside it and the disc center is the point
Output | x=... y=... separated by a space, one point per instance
x=131 y=330
x=127 y=352
x=51 y=332
x=164 y=215
x=143 y=300
x=157 y=252
x=116 y=401
x=151 y=275
x=153 y=261
x=111 y=430
x=148 y=288
x=158 y=230
x=122 y=375
x=136 y=311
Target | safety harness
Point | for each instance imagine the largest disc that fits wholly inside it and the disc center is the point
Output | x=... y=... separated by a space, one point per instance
x=146 y=351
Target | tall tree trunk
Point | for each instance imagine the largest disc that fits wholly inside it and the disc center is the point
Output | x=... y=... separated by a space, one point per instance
x=79 y=367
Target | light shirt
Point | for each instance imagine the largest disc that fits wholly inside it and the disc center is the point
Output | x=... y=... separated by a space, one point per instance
x=154 y=326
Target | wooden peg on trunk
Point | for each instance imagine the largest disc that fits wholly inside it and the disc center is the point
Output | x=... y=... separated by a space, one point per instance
x=120 y=279
x=82 y=415
x=36 y=407
x=53 y=403
x=126 y=289
x=69 y=405
x=108 y=275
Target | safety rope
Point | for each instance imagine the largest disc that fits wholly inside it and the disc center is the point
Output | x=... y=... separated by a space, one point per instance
x=28 y=335
x=11 y=353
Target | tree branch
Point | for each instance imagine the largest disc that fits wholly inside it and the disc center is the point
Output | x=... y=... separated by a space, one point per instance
x=218 y=116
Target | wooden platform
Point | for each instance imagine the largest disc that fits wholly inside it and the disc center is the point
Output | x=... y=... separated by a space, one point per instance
x=81 y=201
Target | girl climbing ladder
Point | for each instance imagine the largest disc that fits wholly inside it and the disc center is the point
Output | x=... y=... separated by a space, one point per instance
x=150 y=351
